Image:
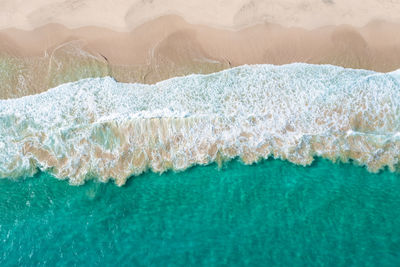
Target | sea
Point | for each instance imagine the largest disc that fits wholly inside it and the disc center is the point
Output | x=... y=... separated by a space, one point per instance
x=258 y=165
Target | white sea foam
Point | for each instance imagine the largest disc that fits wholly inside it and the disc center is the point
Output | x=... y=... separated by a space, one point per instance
x=105 y=129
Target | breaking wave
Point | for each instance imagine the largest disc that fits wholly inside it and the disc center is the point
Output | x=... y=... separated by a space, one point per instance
x=99 y=128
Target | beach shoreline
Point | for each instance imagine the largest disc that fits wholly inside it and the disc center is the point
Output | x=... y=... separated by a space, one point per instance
x=169 y=46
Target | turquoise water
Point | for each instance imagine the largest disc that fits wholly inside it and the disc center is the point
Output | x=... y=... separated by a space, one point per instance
x=273 y=212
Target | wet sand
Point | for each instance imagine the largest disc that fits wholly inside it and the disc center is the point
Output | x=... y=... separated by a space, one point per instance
x=31 y=61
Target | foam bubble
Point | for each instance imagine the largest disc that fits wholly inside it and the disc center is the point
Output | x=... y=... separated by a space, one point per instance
x=105 y=129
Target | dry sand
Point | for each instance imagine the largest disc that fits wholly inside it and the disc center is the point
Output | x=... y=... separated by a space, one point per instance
x=44 y=43
x=125 y=15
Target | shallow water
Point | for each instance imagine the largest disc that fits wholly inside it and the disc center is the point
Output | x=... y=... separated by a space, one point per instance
x=273 y=212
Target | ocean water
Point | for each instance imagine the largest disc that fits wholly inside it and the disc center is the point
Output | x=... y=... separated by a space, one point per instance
x=270 y=213
x=256 y=165
x=103 y=129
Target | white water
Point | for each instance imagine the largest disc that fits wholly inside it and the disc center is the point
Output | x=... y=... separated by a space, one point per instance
x=105 y=129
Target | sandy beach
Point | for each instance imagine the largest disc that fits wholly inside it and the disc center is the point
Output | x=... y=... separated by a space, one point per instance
x=44 y=44
x=126 y=15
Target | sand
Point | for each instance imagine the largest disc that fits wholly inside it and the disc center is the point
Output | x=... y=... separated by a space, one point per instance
x=45 y=43
x=125 y=15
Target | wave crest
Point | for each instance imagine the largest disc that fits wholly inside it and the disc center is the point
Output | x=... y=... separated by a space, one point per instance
x=105 y=129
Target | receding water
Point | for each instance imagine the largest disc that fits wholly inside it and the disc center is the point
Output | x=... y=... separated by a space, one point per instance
x=273 y=212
